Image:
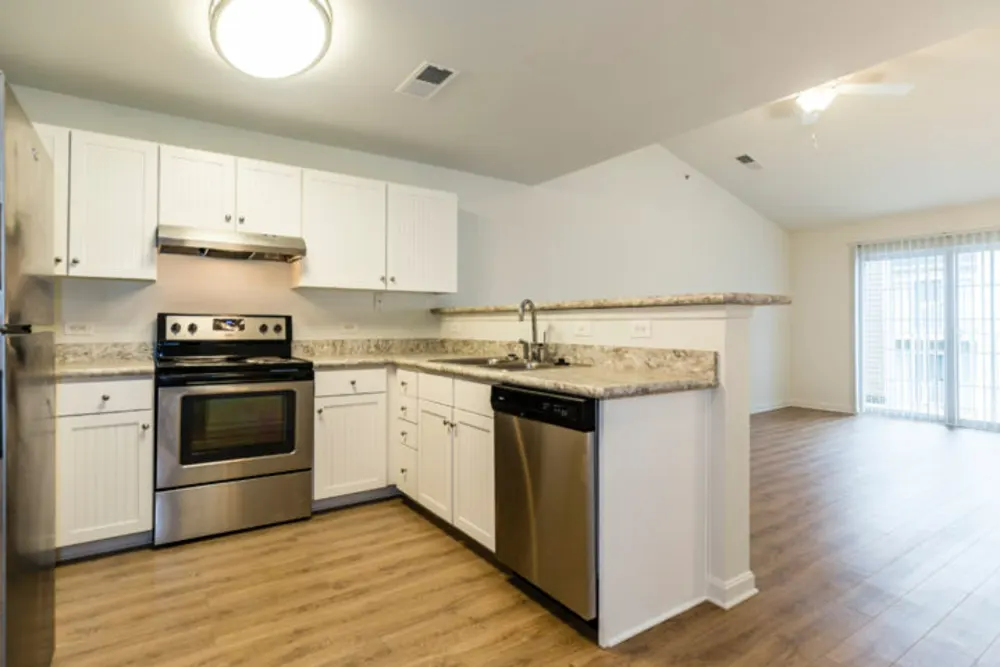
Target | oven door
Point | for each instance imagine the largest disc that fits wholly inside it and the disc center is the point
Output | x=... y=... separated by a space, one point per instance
x=216 y=432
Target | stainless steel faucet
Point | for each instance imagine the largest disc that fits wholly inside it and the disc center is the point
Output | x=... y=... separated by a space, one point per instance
x=531 y=351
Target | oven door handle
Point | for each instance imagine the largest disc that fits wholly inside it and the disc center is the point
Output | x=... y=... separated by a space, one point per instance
x=196 y=379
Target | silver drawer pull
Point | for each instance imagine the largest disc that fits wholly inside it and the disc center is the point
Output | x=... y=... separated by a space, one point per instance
x=145 y=427
x=105 y=398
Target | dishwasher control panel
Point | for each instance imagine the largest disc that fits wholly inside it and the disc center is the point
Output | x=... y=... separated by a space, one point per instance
x=574 y=412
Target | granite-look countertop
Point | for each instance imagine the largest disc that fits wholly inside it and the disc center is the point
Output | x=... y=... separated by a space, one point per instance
x=602 y=382
x=712 y=299
x=104 y=368
x=595 y=371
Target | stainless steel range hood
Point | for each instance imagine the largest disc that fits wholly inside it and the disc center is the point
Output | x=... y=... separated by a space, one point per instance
x=228 y=244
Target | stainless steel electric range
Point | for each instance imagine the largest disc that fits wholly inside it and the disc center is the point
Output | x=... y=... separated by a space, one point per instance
x=234 y=425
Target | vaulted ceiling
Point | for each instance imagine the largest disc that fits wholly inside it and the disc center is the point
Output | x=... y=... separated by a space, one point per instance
x=546 y=87
x=870 y=156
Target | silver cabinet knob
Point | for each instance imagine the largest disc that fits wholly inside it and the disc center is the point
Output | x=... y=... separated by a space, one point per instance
x=229 y=217
x=243 y=219
x=392 y=279
x=145 y=427
x=320 y=411
x=105 y=398
x=403 y=471
x=445 y=422
x=381 y=279
x=402 y=408
x=354 y=384
x=58 y=260
x=74 y=261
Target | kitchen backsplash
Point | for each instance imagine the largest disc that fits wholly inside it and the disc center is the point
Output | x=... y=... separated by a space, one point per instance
x=113 y=311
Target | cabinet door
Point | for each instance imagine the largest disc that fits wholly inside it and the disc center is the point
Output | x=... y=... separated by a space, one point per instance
x=422 y=240
x=56 y=142
x=434 y=459
x=350 y=445
x=268 y=198
x=112 y=207
x=104 y=482
x=343 y=223
x=197 y=189
x=474 y=512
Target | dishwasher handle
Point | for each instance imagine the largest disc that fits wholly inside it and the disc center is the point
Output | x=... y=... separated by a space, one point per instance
x=573 y=412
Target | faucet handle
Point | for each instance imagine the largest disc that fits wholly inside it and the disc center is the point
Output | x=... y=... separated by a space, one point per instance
x=525 y=349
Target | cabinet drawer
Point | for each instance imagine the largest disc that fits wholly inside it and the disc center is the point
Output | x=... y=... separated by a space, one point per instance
x=89 y=397
x=406 y=383
x=473 y=397
x=405 y=473
x=350 y=382
x=404 y=434
x=437 y=388
x=406 y=408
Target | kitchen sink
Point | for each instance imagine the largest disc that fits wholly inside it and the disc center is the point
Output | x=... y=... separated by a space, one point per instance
x=499 y=363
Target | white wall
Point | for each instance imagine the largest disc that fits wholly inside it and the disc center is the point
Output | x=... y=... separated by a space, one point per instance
x=630 y=226
x=823 y=295
x=633 y=226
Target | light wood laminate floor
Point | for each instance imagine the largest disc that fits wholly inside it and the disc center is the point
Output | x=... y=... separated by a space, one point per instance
x=875 y=542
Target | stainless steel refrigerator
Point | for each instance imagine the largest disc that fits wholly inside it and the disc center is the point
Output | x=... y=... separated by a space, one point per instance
x=27 y=407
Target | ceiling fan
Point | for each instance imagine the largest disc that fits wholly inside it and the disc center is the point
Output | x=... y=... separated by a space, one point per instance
x=810 y=104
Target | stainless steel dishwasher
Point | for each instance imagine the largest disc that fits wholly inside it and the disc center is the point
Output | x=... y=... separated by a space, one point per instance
x=546 y=493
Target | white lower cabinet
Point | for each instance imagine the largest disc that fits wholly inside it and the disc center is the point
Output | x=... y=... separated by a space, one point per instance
x=350 y=447
x=104 y=476
x=455 y=457
x=473 y=509
x=434 y=459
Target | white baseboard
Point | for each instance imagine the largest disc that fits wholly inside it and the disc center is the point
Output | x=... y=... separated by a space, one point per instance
x=728 y=594
x=608 y=642
x=824 y=407
x=756 y=410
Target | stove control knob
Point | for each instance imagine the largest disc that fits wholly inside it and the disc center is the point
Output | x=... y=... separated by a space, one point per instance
x=263 y=328
x=175 y=328
x=192 y=328
x=277 y=328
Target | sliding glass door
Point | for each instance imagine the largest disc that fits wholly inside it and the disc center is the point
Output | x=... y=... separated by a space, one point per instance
x=927 y=329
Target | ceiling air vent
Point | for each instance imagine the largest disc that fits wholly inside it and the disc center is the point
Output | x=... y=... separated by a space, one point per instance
x=426 y=81
x=749 y=162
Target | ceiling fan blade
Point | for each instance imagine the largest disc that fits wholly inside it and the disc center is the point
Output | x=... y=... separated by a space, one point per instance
x=874 y=88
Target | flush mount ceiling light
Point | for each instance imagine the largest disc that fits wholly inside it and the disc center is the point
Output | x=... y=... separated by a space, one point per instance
x=271 y=39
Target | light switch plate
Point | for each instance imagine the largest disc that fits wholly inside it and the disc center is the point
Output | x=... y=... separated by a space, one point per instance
x=582 y=330
x=78 y=329
x=642 y=329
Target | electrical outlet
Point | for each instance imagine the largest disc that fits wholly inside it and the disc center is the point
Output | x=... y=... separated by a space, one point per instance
x=642 y=329
x=78 y=329
x=582 y=330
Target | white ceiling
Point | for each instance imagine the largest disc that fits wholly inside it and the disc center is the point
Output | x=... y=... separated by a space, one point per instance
x=547 y=87
x=872 y=156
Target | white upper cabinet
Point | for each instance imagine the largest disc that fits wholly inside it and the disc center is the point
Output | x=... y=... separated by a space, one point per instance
x=197 y=189
x=343 y=224
x=422 y=240
x=268 y=198
x=112 y=207
x=56 y=142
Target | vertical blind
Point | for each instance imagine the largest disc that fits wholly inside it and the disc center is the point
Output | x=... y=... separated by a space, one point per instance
x=927 y=329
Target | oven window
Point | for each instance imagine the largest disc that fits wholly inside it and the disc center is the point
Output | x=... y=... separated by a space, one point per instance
x=236 y=426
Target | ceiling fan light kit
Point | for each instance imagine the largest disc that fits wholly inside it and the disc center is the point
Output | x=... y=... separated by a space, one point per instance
x=271 y=39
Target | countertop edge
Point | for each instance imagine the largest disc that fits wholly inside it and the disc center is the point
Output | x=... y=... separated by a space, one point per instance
x=674 y=301
x=625 y=390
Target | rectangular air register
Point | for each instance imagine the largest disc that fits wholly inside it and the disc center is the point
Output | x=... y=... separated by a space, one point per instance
x=425 y=81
